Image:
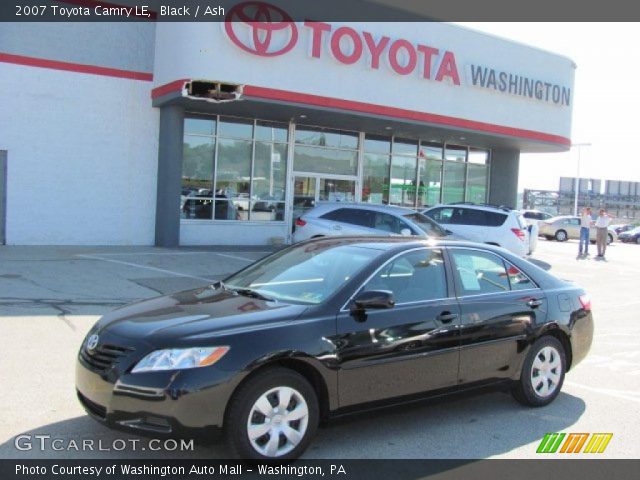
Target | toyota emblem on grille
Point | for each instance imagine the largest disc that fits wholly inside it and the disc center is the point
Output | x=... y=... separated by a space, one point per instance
x=92 y=342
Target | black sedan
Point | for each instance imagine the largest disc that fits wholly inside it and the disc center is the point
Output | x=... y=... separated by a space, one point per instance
x=630 y=236
x=330 y=326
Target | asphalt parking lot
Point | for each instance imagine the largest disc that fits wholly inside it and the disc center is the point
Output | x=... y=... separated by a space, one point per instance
x=50 y=296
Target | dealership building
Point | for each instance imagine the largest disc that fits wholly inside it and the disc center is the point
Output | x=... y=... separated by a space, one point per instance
x=224 y=133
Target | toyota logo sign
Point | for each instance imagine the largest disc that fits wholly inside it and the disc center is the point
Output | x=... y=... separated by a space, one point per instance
x=261 y=29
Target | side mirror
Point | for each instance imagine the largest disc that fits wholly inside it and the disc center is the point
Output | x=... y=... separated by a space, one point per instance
x=405 y=232
x=373 y=299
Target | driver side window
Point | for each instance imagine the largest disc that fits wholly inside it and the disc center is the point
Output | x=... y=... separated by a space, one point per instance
x=412 y=277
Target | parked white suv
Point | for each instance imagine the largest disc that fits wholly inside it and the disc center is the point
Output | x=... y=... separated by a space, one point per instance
x=341 y=218
x=487 y=224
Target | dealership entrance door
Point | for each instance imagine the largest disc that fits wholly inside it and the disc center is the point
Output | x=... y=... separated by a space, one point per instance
x=309 y=189
x=3 y=196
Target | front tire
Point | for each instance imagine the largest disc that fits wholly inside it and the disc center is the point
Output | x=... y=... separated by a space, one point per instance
x=273 y=416
x=609 y=239
x=561 y=236
x=542 y=374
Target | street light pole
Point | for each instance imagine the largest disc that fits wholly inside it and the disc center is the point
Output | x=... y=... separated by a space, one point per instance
x=577 y=182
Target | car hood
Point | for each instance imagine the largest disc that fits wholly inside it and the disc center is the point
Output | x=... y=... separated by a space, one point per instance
x=193 y=314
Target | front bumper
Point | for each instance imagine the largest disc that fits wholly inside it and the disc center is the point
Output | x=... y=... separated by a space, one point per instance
x=182 y=402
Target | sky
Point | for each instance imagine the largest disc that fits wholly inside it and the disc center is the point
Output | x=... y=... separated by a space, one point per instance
x=606 y=111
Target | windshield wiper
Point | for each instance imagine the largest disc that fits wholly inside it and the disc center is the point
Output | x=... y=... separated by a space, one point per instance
x=248 y=292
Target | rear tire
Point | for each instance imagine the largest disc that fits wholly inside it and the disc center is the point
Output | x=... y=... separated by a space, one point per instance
x=561 y=236
x=542 y=374
x=638 y=240
x=272 y=416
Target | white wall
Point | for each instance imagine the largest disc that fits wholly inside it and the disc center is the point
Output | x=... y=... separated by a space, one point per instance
x=82 y=157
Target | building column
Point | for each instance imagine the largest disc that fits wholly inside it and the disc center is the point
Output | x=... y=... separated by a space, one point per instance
x=170 y=147
x=503 y=177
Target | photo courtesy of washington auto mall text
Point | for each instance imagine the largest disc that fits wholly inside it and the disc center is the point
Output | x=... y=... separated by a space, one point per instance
x=359 y=239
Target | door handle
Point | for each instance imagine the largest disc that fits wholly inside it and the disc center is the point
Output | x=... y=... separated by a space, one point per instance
x=337 y=227
x=447 y=317
x=534 y=303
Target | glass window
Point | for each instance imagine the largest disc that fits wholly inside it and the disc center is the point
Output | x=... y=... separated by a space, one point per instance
x=425 y=224
x=413 y=277
x=377 y=144
x=375 y=178
x=269 y=171
x=324 y=160
x=233 y=179
x=432 y=151
x=323 y=137
x=478 y=272
x=478 y=156
x=271 y=132
x=235 y=127
x=306 y=274
x=403 y=181
x=429 y=183
x=517 y=279
x=199 y=126
x=333 y=190
x=250 y=173
x=352 y=216
x=389 y=223
x=476 y=183
x=453 y=182
x=404 y=147
x=197 y=177
x=441 y=215
x=454 y=153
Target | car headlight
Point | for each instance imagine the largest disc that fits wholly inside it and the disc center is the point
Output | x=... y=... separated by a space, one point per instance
x=180 y=358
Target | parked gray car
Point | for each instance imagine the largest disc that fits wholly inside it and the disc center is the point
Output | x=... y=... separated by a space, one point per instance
x=567 y=227
x=342 y=218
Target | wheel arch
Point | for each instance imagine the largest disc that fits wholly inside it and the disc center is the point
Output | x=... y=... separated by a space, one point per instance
x=554 y=330
x=299 y=364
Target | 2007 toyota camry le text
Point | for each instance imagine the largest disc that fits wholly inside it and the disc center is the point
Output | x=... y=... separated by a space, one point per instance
x=327 y=327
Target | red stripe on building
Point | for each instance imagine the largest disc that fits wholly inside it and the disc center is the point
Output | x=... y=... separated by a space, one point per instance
x=175 y=86
x=74 y=67
x=361 y=107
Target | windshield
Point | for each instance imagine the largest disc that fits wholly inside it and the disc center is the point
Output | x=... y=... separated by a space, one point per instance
x=425 y=224
x=307 y=274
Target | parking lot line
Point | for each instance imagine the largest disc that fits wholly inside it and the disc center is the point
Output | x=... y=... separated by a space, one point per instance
x=625 y=395
x=146 y=267
x=226 y=255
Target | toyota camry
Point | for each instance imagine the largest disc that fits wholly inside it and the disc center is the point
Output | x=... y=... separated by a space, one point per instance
x=327 y=327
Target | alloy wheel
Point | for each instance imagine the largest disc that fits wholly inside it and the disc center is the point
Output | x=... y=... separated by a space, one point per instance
x=277 y=421
x=546 y=371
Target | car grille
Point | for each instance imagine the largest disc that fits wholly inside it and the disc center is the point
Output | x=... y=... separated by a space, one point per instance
x=103 y=357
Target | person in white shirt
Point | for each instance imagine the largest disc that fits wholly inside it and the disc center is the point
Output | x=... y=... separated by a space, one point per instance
x=602 y=232
x=585 y=222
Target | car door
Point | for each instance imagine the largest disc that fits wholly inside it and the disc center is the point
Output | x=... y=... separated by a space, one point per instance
x=409 y=348
x=499 y=307
x=573 y=227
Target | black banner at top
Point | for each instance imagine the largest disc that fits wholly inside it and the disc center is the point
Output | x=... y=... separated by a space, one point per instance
x=317 y=10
